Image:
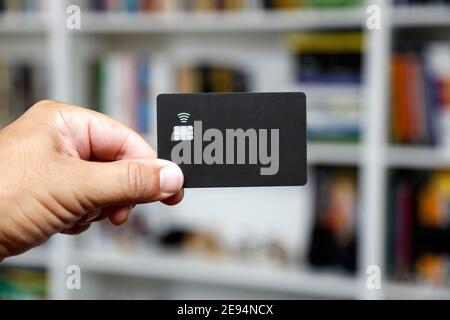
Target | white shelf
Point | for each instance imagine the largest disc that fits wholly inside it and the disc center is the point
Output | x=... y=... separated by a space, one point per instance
x=180 y=22
x=186 y=268
x=35 y=258
x=421 y=16
x=416 y=291
x=334 y=153
x=411 y=157
x=31 y=23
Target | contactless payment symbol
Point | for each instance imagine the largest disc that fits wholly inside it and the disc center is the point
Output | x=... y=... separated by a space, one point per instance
x=183 y=133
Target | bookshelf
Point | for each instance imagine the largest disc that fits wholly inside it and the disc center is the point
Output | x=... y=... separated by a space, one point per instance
x=229 y=273
x=17 y=23
x=334 y=154
x=161 y=35
x=253 y=21
x=421 y=16
x=417 y=158
x=35 y=258
x=414 y=291
x=289 y=281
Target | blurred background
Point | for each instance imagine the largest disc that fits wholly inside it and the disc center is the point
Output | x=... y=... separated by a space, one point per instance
x=378 y=145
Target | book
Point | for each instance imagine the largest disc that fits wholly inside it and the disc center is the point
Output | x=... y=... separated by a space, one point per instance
x=301 y=4
x=327 y=57
x=330 y=62
x=128 y=101
x=418 y=244
x=143 y=6
x=333 y=237
x=8 y=6
x=152 y=6
x=23 y=283
x=420 y=105
x=421 y=2
x=22 y=84
x=211 y=77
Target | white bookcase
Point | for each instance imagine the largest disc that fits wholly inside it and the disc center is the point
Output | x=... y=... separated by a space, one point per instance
x=254 y=38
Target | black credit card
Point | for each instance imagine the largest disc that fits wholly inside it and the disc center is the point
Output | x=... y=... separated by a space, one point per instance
x=234 y=139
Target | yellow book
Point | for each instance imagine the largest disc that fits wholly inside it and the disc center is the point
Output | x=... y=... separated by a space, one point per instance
x=204 y=5
x=222 y=79
x=433 y=201
x=326 y=42
x=234 y=5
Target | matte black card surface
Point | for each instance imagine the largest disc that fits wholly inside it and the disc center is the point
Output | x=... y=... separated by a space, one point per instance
x=234 y=139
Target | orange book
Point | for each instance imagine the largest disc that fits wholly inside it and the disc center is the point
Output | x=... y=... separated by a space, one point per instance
x=413 y=99
x=152 y=5
x=394 y=110
x=403 y=100
x=399 y=119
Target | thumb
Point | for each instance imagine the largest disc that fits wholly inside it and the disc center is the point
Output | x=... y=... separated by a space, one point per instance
x=131 y=182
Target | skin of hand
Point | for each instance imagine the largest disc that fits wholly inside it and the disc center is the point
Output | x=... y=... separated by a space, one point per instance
x=64 y=167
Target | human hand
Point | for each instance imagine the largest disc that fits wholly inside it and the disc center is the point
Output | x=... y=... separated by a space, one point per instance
x=64 y=167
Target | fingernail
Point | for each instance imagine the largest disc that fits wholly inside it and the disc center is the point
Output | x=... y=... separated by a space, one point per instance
x=170 y=179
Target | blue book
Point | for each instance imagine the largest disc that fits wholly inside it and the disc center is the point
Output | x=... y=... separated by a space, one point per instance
x=143 y=113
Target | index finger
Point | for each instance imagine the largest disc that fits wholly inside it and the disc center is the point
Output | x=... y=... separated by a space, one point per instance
x=97 y=136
